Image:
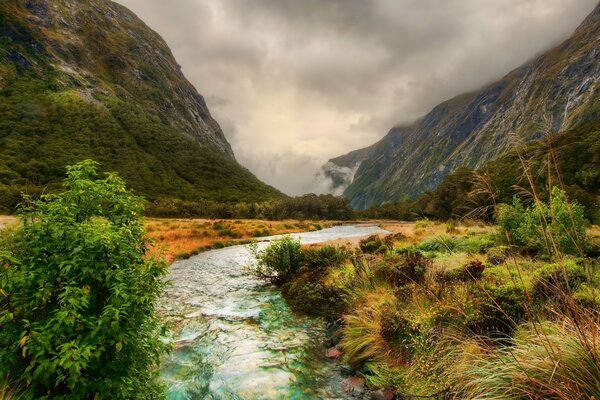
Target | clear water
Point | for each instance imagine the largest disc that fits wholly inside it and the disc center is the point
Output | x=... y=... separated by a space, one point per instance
x=234 y=336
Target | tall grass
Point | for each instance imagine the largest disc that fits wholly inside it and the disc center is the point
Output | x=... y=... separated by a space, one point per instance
x=559 y=360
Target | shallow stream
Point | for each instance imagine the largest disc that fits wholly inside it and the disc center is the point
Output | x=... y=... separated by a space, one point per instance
x=234 y=336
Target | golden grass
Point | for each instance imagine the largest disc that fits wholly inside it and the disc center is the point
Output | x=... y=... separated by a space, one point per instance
x=7 y=220
x=181 y=238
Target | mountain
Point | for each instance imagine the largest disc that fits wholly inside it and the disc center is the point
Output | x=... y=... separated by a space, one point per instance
x=557 y=91
x=88 y=79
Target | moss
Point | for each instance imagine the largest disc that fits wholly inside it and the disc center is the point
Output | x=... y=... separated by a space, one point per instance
x=469 y=272
x=553 y=281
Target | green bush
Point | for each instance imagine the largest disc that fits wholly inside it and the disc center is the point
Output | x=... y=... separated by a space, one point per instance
x=555 y=280
x=497 y=309
x=306 y=294
x=280 y=260
x=498 y=254
x=77 y=295
x=454 y=244
x=408 y=267
x=559 y=228
x=471 y=271
x=323 y=257
x=374 y=244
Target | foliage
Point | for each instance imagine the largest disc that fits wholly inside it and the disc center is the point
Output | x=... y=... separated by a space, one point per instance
x=560 y=363
x=498 y=309
x=280 y=260
x=557 y=280
x=309 y=206
x=325 y=256
x=377 y=338
x=78 y=293
x=575 y=162
x=400 y=270
x=471 y=271
x=374 y=244
x=450 y=244
x=558 y=228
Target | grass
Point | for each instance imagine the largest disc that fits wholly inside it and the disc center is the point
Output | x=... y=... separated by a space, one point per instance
x=454 y=309
x=182 y=238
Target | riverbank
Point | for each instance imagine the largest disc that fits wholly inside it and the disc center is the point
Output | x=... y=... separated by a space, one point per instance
x=177 y=239
x=431 y=308
x=235 y=337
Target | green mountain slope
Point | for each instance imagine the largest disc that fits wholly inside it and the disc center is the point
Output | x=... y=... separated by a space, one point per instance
x=569 y=160
x=555 y=92
x=88 y=79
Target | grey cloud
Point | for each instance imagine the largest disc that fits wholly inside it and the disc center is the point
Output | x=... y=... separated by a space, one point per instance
x=296 y=82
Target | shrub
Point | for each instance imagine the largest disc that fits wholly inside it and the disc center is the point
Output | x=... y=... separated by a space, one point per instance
x=306 y=294
x=280 y=260
x=451 y=244
x=374 y=244
x=77 y=295
x=408 y=267
x=471 y=271
x=377 y=339
x=423 y=224
x=560 y=228
x=498 y=254
x=497 y=309
x=555 y=280
x=323 y=257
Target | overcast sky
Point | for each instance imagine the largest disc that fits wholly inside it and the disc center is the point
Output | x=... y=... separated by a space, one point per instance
x=296 y=82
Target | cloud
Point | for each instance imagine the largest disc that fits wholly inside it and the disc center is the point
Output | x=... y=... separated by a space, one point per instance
x=294 y=83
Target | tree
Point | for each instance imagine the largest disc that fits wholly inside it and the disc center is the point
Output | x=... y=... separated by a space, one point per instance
x=77 y=294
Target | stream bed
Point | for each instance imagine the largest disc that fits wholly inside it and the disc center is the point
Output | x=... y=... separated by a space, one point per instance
x=234 y=336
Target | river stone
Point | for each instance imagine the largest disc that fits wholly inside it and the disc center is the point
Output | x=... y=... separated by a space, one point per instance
x=333 y=353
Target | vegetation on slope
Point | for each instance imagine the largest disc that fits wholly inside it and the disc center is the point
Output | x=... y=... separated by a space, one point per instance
x=50 y=118
x=570 y=159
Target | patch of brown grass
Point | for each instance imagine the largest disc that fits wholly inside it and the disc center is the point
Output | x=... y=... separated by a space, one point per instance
x=181 y=238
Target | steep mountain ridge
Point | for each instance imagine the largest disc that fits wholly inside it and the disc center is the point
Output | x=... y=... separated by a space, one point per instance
x=88 y=79
x=556 y=91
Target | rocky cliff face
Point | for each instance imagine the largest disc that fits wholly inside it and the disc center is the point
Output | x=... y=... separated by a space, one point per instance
x=554 y=92
x=88 y=79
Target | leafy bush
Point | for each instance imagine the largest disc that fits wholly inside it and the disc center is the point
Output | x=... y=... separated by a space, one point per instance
x=408 y=267
x=423 y=224
x=497 y=309
x=374 y=244
x=377 y=339
x=77 y=295
x=306 y=294
x=497 y=255
x=280 y=260
x=451 y=244
x=323 y=257
x=556 y=280
x=559 y=228
x=471 y=271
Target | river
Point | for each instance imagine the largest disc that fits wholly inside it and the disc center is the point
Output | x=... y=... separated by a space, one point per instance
x=234 y=336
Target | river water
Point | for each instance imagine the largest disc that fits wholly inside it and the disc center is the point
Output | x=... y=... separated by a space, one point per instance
x=234 y=336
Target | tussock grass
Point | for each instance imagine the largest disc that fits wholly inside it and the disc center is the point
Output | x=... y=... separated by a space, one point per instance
x=559 y=360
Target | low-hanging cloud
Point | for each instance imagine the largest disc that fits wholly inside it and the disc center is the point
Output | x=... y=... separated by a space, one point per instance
x=294 y=83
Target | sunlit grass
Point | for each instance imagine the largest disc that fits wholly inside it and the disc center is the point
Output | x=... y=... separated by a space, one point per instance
x=182 y=238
